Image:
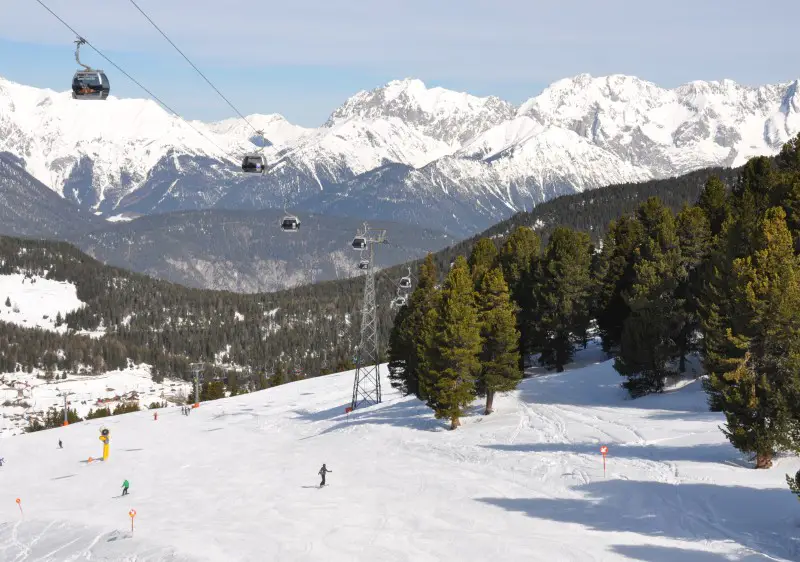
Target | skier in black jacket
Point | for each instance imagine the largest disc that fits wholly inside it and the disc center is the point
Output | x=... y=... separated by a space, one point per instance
x=322 y=472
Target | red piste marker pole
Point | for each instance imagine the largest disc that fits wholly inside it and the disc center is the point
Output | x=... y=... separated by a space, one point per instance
x=604 y=452
x=132 y=513
x=19 y=503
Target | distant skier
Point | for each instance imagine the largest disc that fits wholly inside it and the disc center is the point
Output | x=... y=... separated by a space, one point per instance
x=322 y=472
x=60 y=444
x=2 y=460
x=125 y=486
x=155 y=416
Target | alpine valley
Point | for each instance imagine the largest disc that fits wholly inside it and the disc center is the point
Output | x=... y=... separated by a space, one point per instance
x=449 y=162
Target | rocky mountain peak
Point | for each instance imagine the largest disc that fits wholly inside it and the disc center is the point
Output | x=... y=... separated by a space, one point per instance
x=446 y=115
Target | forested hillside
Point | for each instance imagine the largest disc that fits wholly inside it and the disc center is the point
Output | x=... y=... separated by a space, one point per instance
x=168 y=325
x=591 y=211
x=308 y=330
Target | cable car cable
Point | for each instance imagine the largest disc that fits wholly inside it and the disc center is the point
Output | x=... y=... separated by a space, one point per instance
x=193 y=66
x=132 y=79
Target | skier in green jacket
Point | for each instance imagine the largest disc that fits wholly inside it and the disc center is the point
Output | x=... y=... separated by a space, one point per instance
x=125 y=487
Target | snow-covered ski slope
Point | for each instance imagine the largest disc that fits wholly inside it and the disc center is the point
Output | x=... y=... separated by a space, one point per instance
x=237 y=480
x=34 y=302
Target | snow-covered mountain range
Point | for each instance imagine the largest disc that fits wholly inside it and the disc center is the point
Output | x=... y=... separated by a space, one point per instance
x=402 y=152
x=237 y=250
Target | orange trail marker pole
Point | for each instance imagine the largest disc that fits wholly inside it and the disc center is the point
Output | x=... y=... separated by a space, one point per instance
x=19 y=503
x=604 y=452
x=132 y=513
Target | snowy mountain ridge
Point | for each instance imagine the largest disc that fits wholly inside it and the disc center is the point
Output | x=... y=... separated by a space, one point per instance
x=408 y=148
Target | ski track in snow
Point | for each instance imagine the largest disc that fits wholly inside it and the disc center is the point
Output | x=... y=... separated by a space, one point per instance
x=236 y=480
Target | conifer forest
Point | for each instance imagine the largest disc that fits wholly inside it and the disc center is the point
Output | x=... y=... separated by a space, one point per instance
x=718 y=279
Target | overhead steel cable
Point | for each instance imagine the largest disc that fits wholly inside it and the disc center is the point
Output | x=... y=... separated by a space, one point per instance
x=260 y=133
x=132 y=79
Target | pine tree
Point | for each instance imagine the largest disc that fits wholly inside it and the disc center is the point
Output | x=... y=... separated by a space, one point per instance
x=233 y=383
x=713 y=202
x=709 y=288
x=8 y=302
x=655 y=321
x=483 y=257
x=695 y=239
x=400 y=349
x=644 y=353
x=758 y=396
x=615 y=269
x=521 y=249
x=428 y=354
x=794 y=484
x=500 y=370
x=562 y=289
x=456 y=346
x=752 y=194
x=406 y=345
x=788 y=163
x=212 y=390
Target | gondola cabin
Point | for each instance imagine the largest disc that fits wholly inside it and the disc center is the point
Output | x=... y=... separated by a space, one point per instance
x=363 y=264
x=90 y=85
x=290 y=224
x=399 y=301
x=359 y=243
x=405 y=282
x=253 y=164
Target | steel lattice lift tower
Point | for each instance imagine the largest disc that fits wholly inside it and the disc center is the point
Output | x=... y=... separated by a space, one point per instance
x=367 y=384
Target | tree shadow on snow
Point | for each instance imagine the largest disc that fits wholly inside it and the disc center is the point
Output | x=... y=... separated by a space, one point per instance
x=716 y=452
x=586 y=389
x=691 y=415
x=410 y=414
x=761 y=519
x=670 y=554
x=322 y=415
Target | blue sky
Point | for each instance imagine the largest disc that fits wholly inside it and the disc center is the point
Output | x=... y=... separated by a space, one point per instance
x=304 y=58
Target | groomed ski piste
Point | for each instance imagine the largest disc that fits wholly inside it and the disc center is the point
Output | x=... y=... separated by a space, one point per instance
x=237 y=480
